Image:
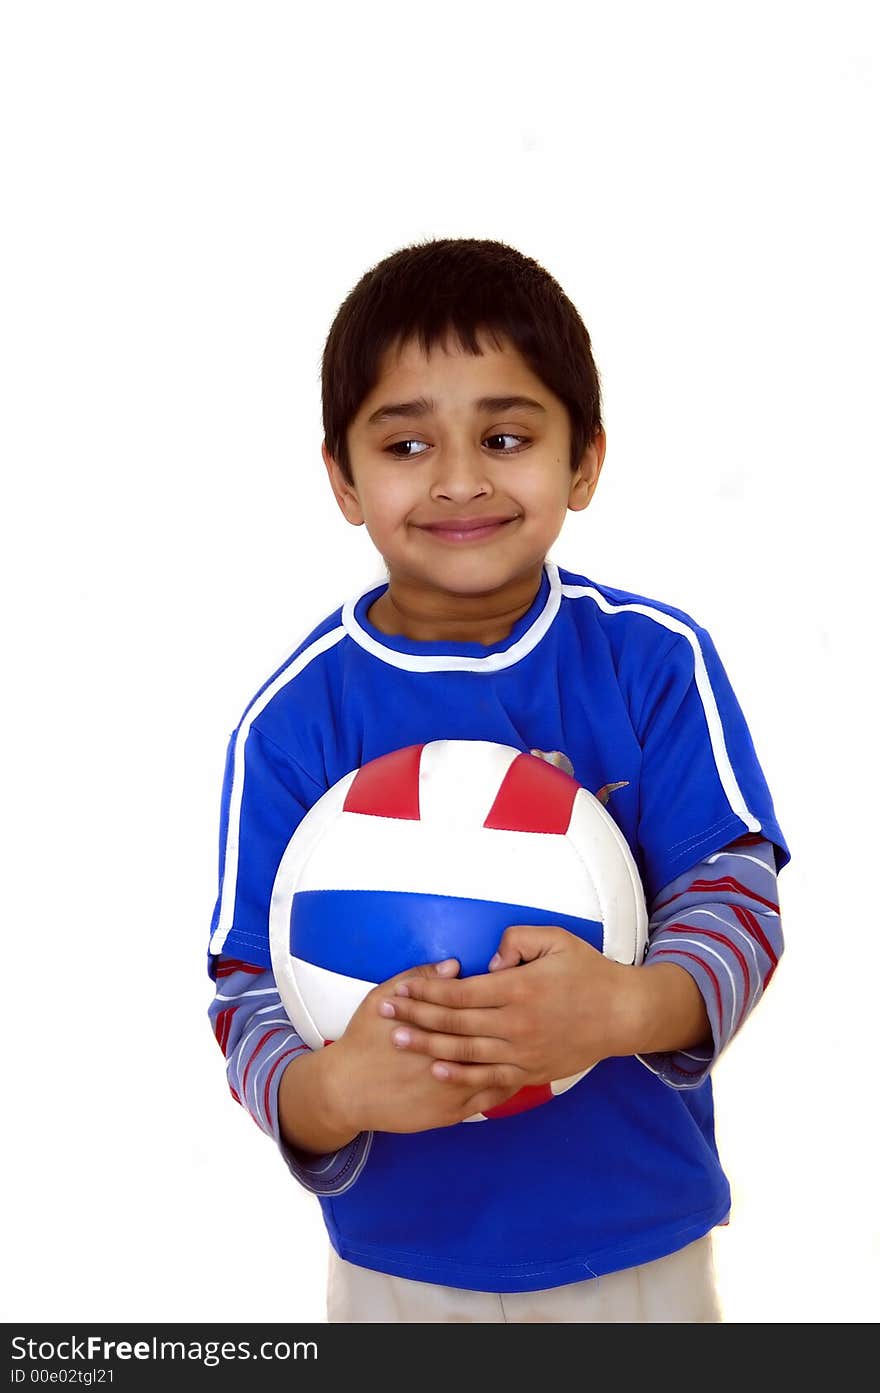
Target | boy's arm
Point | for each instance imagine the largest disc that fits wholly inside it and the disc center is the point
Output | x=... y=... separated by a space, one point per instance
x=258 y=1041
x=719 y=921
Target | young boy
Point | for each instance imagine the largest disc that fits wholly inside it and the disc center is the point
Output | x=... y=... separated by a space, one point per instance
x=462 y=420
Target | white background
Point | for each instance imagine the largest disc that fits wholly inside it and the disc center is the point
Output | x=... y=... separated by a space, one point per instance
x=190 y=190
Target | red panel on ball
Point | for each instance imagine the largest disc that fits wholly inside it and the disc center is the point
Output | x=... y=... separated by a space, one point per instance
x=388 y=786
x=534 y=797
x=529 y=1097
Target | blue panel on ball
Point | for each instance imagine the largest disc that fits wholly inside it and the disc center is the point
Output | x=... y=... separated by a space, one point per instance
x=374 y=934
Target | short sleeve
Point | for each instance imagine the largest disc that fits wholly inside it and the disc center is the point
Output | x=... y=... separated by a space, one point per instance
x=266 y=794
x=701 y=782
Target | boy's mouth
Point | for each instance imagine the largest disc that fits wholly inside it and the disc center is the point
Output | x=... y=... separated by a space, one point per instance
x=466 y=529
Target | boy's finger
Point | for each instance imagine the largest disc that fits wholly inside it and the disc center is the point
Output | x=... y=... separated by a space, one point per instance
x=461 y=1049
x=445 y=1020
x=486 y=989
x=447 y=967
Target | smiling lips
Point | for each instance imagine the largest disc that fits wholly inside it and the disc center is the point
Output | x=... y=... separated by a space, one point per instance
x=466 y=529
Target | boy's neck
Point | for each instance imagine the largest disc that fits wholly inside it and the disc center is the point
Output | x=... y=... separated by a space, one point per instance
x=435 y=616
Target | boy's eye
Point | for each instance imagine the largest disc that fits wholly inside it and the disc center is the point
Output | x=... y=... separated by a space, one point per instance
x=502 y=435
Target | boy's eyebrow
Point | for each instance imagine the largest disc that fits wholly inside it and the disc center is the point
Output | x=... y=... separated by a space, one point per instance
x=423 y=406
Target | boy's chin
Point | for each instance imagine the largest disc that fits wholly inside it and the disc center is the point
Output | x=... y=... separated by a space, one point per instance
x=465 y=575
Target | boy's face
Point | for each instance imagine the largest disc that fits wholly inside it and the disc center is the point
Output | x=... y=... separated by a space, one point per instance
x=425 y=474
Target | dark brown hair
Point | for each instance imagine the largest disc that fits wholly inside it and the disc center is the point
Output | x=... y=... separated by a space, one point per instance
x=457 y=285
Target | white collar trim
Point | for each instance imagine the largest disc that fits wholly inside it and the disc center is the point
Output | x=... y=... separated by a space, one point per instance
x=451 y=662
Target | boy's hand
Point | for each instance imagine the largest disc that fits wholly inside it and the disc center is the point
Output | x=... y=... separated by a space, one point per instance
x=563 y=1009
x=373 y=1087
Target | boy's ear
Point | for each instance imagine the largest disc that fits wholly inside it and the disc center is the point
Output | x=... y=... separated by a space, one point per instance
x=343 y=491
x=586 y=476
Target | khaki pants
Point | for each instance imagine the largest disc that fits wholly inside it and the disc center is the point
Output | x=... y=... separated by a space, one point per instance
x=680 y=1287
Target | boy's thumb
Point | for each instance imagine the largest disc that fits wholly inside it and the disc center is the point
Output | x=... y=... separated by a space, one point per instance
x=522 y=943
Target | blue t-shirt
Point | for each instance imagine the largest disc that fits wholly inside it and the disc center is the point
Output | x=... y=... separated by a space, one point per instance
x=621 y=1168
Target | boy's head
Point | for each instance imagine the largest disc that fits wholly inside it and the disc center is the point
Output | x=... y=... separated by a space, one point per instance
x=448 y=333
x=453 y=288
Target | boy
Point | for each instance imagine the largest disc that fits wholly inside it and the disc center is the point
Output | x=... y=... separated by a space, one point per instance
x=462 y=420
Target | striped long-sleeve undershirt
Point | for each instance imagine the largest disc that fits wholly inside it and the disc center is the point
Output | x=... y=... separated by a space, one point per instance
x=719 y=921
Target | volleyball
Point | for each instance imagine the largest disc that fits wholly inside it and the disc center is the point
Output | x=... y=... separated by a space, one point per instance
x=431 y=852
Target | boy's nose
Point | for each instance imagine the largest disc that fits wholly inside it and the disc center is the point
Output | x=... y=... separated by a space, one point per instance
x=461 y=476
